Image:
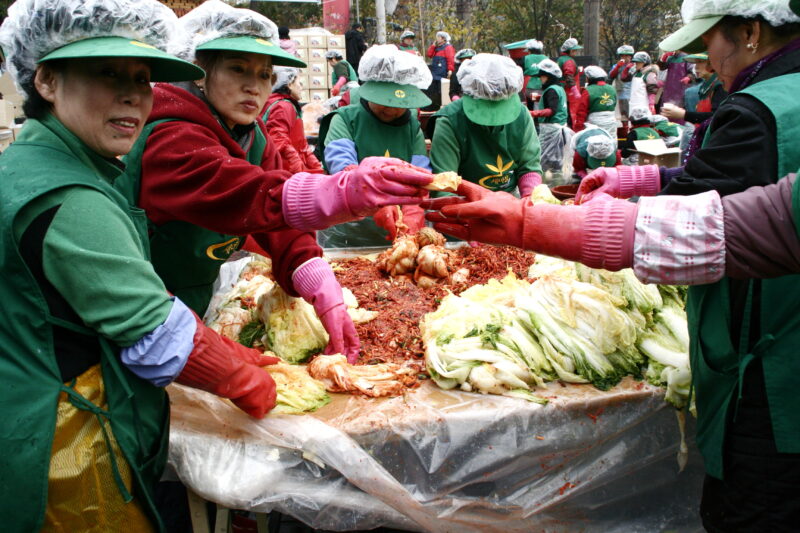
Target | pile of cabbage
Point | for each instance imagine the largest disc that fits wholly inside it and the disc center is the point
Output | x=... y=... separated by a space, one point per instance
x=573 y=323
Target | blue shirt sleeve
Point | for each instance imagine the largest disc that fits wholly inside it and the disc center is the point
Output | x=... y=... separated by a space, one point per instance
x=339 y=154
x=421 y=161
x=159 y=356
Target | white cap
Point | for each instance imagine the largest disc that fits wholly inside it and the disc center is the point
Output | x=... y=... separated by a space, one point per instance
x=641 y=57
x=387 y=63
x=534 y=44
x=550 y=67
x=569 y=44
x=639 y=113
x=34 y=28
x=284 y=76
x=776 y=12
x=490 y=77
x=600 y=146
x=407 y=33
x=214 y=19
x=658 y=118
x=594 y=72
x=444 y=35
x=625 y=49
x=333 y=54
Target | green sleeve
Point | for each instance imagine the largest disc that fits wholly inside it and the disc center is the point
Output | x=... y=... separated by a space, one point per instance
x=91 y=254
x=341 y=71
x=419 y=144
x=337 y=129
x=530 y=153
x=445 y=150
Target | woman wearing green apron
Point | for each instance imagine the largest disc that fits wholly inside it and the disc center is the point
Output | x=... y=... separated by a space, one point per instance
x=488 y=136
x=382 y=123
x=90 y=334
x=744 y=332
x=207 y=176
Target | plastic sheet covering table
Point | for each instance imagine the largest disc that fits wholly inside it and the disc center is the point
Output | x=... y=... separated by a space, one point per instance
x=436 y=460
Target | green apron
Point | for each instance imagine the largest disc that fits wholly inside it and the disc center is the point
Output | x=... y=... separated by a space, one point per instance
x=530 y=69
x=185 y=256
x=669 y=129
x=138 y=412
x=601 y=98
x=351 y=73
x=372 y=138
x=796 y=204
x=560 y=115
x=489 y=154
x=718 y=367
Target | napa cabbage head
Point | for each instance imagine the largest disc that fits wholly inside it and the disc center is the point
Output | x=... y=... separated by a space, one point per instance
x=294 y=332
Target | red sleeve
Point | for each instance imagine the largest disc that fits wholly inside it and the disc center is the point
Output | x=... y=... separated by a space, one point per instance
x=579 y=165
x=626 y=73
x=311 y=162
x=568 y=72
x=188 y=175
x=450 y=54
x=581 y=110
x=431 y=50
x=279 y=125
x=614 y=71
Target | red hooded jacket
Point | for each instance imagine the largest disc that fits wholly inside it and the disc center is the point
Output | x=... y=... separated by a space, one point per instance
x=193 y=171
x=286 y=130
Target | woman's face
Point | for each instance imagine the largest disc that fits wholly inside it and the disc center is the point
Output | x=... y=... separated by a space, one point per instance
x=408 y=41
x=386 y=114
x=703 y=69
x=238 y=86
x=296 y=89
x=103 y=101
x=726 y=58
x=439 y=40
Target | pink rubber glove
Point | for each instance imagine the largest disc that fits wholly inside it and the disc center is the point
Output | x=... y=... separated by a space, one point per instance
x=317 y=284
x=317 y=201
x=620 y=182
x=599 y=234
x=338 y=87
x=230 y=370
x=527 y=182
x=455 y=97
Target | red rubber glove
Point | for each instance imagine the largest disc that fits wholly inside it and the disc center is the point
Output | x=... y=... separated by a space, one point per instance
x=620 y=182
x=316 y=201
x=599 y=234
x=387 y=218
x=338 y=87
x=537 y=113
x=226 y=368
x=317 y=284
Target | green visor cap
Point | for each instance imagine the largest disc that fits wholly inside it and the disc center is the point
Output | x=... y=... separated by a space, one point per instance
x=688 y=37
x=609 y=161
x=492 y=112
x=393 y=95
x=577 y=47
x=163 y=66
x=254 y=45
x=694 y=58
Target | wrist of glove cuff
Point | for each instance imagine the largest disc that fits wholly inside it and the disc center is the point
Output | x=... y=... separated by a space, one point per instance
x=642 y=180
x=315 y=201
x=316 y=283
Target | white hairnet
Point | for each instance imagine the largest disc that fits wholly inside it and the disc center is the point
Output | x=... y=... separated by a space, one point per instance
x=34 y=28
x=464 y=53
x=641 y=57
x=776 y=12
x=490 y=77
x=594 y=72
x=444 y=35
x=333 y=54
x=407 y=33
x=534 y=44
x=569 y=44
x=658 y=118
x=385 y=62
x=625 y=49
x=284 y=76
x=550 y=67
x=639 y=113
x=600 y=146
x=214 y=19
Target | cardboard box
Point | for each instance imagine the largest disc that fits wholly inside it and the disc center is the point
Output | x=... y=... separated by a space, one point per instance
x=302 y=53
x=303 y=80
x=302 y=40
x=316 y=54
x=317 y=83
x=655 y=152
x=305 y=96
x=7 y=113
x=317 y=68
x=318 y=95
x=335 y=41
x=6 y=138
x=317 y=41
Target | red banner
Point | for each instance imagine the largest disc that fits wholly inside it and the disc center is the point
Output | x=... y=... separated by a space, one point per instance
x=336 y=15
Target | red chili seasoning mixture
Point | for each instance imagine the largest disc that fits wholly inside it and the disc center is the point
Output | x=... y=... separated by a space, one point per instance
x=394 y=336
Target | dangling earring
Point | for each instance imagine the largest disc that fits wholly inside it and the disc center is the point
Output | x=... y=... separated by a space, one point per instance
x=753 y=47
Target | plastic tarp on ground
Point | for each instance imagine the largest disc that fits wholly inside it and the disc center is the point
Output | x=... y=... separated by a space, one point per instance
x=448 y=461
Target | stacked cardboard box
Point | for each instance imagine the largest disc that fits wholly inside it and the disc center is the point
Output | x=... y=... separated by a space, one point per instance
x=312 y=45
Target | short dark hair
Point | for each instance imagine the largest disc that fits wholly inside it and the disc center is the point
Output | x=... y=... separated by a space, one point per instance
x=283 y=32
x=357 y=25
